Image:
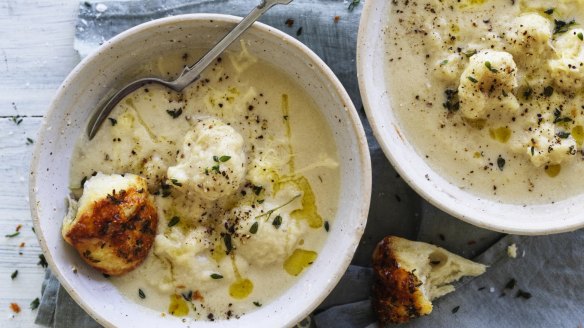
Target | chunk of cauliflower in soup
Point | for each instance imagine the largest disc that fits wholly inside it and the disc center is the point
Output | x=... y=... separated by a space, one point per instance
x=275 y=234
x=487 y=84
x=530 y=35
x=568 y=69
x=212 y=160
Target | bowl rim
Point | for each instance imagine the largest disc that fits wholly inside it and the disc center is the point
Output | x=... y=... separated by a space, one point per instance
x=355 y=124
x=438 y=198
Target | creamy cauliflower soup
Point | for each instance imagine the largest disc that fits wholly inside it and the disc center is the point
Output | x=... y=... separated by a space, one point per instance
x=490 y=93
x=243 y=173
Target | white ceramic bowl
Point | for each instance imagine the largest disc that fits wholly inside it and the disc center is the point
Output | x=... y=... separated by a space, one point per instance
x=518 y=219
x=104 y=69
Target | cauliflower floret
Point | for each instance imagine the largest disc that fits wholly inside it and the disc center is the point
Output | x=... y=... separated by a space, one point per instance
x=212 y=162
x=568 y=70
x=530 y=35
x=187 y=251
x=268 y=237
x=487 y=84
x=548 y=147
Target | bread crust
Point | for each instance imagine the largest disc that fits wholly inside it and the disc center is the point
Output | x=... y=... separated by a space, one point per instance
x=397 y=297
x=115 y=234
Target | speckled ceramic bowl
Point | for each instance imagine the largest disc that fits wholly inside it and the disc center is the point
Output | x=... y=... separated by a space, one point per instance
x=105 y=69
x=413 y=168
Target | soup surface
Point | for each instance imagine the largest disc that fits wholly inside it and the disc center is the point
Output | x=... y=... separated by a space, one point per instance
x=490 y=93
x=244 y=174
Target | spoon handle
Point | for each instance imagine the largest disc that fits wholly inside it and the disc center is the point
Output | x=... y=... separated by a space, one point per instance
x=192 y=73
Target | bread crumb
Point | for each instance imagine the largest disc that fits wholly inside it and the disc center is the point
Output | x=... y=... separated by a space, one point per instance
x=512 y=251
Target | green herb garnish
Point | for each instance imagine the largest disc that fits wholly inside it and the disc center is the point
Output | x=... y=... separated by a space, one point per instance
x=562 y=26
x=444 y=62
x=224 y=158
x=549 y=11
x=353 y=4
x=12 y=235
x=113 y=121
x=470 y=53
x=563 y=134
x=257 y=190
x=174 y=221
x=326 y=226
x=176 y=183
x=558 y=118
x=501 y=163
x=42 y=261
x=141 y=293
x=16 y=119
x=490 y=68
x=29 y=141
x=228 y=244
x=452 y=103
x=277 y=222
x=254 y=228
x=175 y=112
x=581 y=36
x=527 y=93
x=523 y=294
x=511 y=284
x=34 y=304
x=216 y=276
x=548 y=91
x=258 y=304
x=14 y=274
x=472 y=79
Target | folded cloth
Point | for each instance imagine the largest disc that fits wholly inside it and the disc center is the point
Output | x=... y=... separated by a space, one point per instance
x=330 y=30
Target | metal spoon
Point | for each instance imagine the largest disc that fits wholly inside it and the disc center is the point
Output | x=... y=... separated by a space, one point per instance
x=188 y=75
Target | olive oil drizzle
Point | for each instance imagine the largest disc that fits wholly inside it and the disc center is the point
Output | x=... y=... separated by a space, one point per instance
x=286 y=116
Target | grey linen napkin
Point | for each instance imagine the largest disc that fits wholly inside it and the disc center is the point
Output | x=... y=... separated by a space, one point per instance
x=552 y=270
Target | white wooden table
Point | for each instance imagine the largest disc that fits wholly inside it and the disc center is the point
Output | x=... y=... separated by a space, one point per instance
x=36 y=54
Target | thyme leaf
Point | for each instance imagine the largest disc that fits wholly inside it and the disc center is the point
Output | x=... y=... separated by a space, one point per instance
x=562 y=26
x=175 y=112
x=490 y=68
x=254 y=228
x=277 y=222
x=174 y=221
x=501 y=163
x=34 y=304
x=353 y=4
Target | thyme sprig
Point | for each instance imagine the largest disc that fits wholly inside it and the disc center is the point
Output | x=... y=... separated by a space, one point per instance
x=270 y=212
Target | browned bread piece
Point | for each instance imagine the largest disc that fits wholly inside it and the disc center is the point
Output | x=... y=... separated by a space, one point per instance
x=114 y=225
x=409 y=275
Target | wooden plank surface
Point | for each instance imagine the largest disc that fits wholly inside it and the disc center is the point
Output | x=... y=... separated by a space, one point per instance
x=36 y=54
